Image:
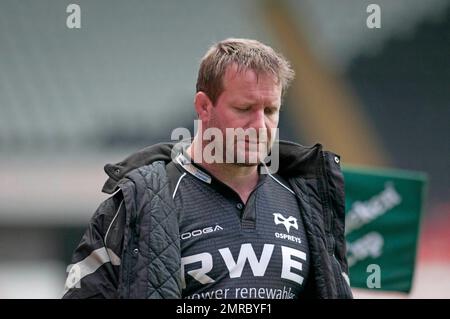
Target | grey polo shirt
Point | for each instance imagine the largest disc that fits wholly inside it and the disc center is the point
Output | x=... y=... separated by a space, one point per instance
x=233 y=250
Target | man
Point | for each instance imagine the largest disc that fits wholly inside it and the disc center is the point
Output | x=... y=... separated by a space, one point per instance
x=210 y=218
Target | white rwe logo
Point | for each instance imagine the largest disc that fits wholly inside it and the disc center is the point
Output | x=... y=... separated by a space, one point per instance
x=246 y=257
x=287 y=222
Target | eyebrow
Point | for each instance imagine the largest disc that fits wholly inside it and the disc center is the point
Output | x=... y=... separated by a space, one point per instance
x=249 y=102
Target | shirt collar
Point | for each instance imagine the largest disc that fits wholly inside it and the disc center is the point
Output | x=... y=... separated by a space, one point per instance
x=187 y=164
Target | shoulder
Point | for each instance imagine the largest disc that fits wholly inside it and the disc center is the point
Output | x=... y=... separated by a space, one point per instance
x=146 y=183
x=147 y=175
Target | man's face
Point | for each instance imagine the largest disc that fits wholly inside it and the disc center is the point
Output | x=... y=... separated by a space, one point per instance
x=252 y=103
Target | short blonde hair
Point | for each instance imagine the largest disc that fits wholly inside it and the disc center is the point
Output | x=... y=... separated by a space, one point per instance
x=247 y=55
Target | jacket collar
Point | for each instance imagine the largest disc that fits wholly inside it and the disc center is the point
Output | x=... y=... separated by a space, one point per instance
x=294 y=160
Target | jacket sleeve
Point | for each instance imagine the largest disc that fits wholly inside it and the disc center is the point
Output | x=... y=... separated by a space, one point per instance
x=95 y=265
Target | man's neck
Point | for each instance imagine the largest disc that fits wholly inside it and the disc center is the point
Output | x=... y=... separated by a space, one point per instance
x=241 y=178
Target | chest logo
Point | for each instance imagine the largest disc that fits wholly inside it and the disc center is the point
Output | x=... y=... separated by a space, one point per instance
x=287 y=222
x=198 y=232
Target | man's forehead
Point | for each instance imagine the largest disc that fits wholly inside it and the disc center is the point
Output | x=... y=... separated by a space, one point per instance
x=241 y=75
x=247 y=84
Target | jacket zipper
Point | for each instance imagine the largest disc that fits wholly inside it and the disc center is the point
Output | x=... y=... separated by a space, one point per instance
x=330 y=219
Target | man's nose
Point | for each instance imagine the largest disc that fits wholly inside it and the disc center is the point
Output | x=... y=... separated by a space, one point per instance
x=258 y=120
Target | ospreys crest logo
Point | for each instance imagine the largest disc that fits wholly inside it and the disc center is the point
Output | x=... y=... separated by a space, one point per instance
x=287 y=222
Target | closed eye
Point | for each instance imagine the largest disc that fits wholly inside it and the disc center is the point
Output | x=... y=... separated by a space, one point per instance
x=243 y=108
x=270 y=110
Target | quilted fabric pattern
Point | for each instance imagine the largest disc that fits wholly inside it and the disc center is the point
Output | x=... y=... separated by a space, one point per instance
x=158 y=264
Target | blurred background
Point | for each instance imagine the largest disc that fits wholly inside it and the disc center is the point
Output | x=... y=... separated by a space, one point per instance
x=72 y=100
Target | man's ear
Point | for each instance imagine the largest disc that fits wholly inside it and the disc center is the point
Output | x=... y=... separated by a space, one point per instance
x=203 y=106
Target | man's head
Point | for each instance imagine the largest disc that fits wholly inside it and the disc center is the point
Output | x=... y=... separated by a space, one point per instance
x=239 y=86
x=246 y=54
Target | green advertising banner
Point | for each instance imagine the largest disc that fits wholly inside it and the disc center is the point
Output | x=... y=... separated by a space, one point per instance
x=383 y=211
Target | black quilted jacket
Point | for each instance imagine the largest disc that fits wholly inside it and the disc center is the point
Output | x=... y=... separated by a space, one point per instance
x=131 y=248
